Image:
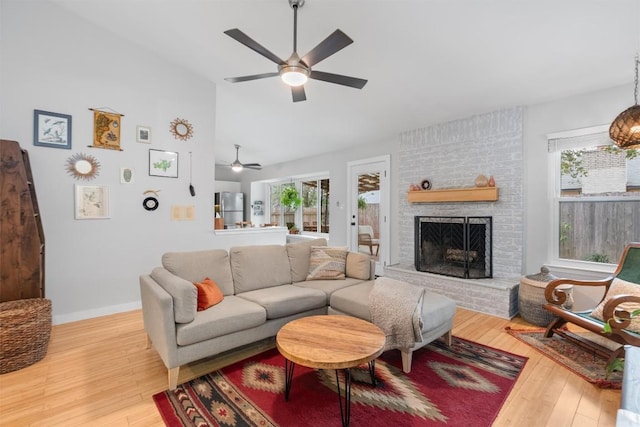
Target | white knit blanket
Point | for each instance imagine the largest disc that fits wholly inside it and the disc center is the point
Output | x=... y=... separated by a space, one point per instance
x=396 y=308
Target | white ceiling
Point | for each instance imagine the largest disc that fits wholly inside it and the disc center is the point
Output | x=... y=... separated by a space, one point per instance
x=427 y=61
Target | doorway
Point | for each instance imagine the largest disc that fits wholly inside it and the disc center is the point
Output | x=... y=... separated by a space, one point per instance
x=369 y=208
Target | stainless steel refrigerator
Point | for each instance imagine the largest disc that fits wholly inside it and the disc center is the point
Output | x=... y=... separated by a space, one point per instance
x=231 y=207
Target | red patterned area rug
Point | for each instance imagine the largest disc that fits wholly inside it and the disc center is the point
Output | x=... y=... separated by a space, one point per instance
x=579 y=360
x=464 y=385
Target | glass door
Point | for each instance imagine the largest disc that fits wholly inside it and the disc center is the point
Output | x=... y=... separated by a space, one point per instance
x=369 y=207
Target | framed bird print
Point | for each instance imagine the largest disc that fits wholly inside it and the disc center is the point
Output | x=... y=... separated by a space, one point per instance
x=51 y=129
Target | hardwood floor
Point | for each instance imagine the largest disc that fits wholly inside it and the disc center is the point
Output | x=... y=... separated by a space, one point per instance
x=97 y=372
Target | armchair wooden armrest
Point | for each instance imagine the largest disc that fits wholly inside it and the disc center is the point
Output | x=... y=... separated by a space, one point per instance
x=619 y=318
x=559 y=296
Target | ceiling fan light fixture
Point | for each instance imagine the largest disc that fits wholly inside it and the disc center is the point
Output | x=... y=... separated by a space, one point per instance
x=294 y=75
x=625 y=129
x=236 y=167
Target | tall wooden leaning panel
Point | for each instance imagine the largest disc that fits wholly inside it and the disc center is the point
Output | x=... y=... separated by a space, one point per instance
x=21 y=233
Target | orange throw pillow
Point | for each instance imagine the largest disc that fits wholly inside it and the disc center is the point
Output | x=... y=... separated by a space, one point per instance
x=209 y=294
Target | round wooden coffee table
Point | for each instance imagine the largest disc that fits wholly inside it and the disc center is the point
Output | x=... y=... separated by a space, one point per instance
x=330 y=342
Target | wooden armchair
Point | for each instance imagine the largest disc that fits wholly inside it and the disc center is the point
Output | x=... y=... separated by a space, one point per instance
x=628 y=270
x=365 y=238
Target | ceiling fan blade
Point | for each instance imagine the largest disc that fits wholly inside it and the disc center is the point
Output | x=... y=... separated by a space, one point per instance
x=338 y=79
x=256 y=166
x=332 y=44
x=298 y=93
x=253 y=77
x=241 y=37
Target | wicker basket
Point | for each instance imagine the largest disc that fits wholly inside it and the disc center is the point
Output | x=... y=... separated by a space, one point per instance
x=25 y=329
x=531 y=297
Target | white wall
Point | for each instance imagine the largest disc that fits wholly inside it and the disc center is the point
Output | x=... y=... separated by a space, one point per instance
x=53 y=61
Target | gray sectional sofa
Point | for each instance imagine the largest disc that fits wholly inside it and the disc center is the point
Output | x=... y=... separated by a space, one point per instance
x=264 y=287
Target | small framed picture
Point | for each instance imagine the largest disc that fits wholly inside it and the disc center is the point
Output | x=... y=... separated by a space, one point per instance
x=51 y=129
x=163 y=163
x=92 y=202
x=143 y=134
x=126 y=175
x=258 y=208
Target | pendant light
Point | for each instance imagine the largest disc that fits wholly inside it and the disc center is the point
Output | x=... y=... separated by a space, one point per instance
x=625 y=129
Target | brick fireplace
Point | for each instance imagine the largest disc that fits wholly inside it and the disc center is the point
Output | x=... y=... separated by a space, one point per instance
x=454 y=246
x=451 y=155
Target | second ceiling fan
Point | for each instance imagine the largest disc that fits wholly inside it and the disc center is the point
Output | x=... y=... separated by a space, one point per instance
x=237 y=166
x=295 y=71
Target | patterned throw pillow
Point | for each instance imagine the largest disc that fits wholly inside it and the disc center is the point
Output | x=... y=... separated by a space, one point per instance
x=621 y=287
x=209 y=294
x=327 y=263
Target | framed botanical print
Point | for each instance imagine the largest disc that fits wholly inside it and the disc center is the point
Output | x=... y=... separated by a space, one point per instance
x=163 y=163
x=92 y=202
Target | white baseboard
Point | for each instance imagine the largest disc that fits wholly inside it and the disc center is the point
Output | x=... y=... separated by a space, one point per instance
x=96 y=312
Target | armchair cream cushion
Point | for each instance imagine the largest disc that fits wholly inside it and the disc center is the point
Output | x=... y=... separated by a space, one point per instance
x=620 y=287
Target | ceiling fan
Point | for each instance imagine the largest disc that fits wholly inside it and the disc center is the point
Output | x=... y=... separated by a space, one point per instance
x=236 y=166
x=295 y=71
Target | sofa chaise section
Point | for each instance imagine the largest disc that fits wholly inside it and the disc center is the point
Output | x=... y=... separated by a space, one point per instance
x=437 y=314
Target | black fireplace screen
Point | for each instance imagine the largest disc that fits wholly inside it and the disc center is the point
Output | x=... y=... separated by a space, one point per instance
x=454 y=246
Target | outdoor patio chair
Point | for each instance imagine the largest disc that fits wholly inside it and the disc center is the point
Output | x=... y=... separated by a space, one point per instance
x=365 y=238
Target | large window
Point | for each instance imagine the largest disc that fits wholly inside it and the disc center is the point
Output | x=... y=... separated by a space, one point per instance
x=597 y=197
x=313 y=215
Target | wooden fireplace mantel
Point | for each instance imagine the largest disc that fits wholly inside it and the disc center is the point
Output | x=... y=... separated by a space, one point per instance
x=474 y=194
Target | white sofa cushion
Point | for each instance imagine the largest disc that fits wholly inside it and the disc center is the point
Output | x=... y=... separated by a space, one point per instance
x=353 y=300
x=328 y=286
x=196 y=266
x=231 y=315
x=299 y=253
x=258 y=267
x=358 y=266
x=285 y=300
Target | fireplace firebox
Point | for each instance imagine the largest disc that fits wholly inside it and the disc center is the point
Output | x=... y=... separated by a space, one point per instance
x=454 y=246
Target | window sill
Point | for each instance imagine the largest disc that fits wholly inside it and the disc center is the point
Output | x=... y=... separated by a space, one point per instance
x=581 y=270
